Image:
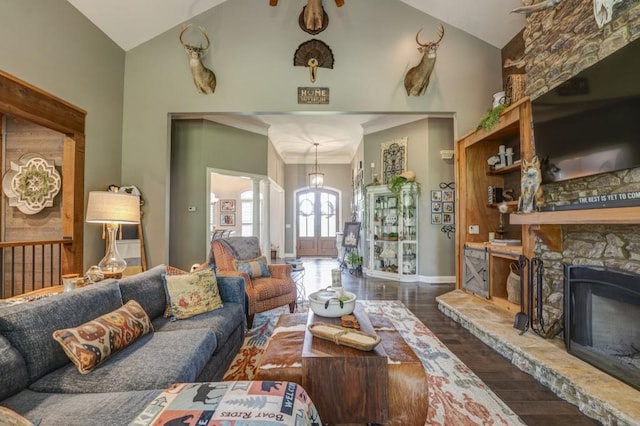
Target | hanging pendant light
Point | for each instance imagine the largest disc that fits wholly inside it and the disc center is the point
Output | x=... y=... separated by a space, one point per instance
x=316 y=179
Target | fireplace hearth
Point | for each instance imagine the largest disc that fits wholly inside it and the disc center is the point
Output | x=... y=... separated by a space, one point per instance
x=601 y=326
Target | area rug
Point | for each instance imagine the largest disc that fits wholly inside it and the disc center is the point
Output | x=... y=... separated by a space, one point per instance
x=456 y=395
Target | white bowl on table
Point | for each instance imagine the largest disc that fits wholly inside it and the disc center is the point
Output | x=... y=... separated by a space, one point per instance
x=325 y=303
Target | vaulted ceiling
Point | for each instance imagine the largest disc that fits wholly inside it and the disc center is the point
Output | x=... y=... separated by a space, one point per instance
x=130 y=23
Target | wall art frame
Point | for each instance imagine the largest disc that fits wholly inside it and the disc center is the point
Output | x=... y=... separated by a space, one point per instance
x=351 y=235
x=393 y=158
x=228 y=205
x=227 y=219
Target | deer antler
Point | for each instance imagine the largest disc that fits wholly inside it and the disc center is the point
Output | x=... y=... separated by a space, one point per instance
x=518 y=63
x=436 y=43
x=184 y=28
x=537 y=7
x=202 y=30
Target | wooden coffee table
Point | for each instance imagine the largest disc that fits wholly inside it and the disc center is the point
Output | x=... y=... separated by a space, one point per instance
x=347 y=385
x=405 y=387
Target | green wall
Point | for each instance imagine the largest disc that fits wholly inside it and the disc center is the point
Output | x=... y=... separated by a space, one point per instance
x=373 y=42
x=198 y=145
x=130 y=102
x=50 y=45
x=425 y=139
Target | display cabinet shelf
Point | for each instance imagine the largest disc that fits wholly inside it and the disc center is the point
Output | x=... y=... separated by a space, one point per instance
x=392 y=233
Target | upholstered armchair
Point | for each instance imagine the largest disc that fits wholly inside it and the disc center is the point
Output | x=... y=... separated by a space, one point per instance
x=267 y=286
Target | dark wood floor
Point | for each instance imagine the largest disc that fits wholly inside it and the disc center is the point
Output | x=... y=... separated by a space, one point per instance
x=533 y=402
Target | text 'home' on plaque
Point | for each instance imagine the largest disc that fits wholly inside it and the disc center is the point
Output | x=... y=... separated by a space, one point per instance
x=313 y=95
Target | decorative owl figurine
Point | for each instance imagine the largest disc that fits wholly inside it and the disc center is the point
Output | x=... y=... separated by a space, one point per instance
x=531 y=196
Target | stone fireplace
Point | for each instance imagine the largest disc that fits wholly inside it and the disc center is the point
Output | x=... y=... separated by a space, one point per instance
x=601 y=326
x=559 y=43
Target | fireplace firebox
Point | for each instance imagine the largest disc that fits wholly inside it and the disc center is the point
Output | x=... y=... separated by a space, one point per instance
x=601 y=311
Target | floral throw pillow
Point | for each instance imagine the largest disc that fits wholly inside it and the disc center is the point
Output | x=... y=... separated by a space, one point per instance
x=255 y=268
x=93 y=342
x=192 y=294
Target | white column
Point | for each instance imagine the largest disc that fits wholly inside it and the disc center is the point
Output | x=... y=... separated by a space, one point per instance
x=256 y=207
x=265 y=238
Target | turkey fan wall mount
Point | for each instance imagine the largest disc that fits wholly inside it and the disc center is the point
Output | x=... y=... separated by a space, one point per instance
x=313 y=54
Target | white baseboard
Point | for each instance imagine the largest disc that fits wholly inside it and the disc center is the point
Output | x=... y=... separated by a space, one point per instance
x=441 y=279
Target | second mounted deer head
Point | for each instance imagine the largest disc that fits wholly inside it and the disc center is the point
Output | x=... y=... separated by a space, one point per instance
x=417 y=78
x=203 y=77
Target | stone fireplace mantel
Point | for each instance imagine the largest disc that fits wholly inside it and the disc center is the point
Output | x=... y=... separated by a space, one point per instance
x=597 y=394
x=617 y=215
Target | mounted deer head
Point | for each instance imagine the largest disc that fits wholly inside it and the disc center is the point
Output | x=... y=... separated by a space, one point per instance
x=204 y=78
x=313 y=16
x=603 y=11
x=417 y=78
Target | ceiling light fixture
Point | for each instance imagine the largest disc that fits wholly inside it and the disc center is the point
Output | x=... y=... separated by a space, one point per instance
x=316 y=179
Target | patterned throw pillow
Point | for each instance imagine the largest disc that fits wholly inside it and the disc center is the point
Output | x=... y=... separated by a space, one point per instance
x=255 y=268
x=94 y=341
x=192 y=294
x=172 y=270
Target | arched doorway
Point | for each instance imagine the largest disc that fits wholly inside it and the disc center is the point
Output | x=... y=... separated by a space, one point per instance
x=317 y=222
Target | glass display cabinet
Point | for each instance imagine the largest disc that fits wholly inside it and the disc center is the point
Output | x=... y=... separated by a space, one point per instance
x=392 y=232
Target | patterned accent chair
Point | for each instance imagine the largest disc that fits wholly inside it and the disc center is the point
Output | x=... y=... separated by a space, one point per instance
x=263 y=292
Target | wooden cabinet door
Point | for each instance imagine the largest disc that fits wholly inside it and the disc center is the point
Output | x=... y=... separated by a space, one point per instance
x=475 y=271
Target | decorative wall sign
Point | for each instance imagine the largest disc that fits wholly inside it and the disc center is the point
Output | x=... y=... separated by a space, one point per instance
x=313 y=95
x=31 y=184
x=393 y=158
x=604 y=201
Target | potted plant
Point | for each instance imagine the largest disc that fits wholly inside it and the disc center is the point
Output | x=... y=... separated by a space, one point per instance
x=491 y=118
x=396 y=182
x=354 y=260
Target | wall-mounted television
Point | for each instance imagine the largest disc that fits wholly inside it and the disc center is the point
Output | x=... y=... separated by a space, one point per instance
x=591 y=124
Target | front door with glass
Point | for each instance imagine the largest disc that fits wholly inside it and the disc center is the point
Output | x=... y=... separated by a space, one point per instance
x=317 y=222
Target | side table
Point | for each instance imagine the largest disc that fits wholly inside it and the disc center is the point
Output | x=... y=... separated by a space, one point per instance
x=297 y=274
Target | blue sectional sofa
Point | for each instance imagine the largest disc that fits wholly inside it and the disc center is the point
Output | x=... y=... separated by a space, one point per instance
x=38 y=381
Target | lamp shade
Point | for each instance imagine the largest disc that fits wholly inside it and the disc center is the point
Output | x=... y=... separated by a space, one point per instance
x=113 y=207
x=316 y=179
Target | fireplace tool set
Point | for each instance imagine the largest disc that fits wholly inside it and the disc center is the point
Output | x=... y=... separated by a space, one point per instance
x=535 y=320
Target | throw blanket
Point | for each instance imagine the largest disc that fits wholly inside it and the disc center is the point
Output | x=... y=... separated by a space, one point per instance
x=243 y=248
x=243 y=403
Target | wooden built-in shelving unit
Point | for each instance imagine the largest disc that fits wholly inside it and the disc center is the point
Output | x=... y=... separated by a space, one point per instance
x=473 y=177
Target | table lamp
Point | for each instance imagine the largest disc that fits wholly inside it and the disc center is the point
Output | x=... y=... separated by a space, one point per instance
x=112 y=209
